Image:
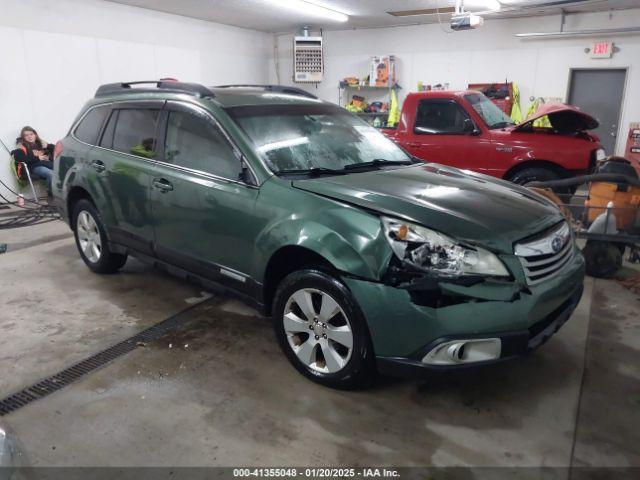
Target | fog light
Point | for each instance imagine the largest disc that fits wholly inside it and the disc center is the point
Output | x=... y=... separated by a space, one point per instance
x=459 y=351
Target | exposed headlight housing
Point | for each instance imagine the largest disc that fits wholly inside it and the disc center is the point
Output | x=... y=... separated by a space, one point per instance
x=432 y=251
x=600 y=155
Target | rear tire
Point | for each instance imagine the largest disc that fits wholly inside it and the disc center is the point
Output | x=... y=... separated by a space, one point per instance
x=91 y=239
x=603 y=259
x=330 y=343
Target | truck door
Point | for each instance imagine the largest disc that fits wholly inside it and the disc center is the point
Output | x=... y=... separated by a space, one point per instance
x=444 y=132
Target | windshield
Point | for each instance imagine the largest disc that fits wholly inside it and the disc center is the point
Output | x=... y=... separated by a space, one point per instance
x=313 y=137
x=490 y=113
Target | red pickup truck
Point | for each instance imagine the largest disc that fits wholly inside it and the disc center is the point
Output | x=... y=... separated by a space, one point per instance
x=466 y=130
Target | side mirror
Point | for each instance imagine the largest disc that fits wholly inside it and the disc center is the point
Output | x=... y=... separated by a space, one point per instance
x=469 y=128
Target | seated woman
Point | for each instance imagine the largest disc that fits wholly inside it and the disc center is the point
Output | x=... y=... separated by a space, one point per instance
x=36 y=153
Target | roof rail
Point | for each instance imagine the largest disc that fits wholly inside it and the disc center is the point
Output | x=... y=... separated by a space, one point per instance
x=166 y=85
x=273 y=88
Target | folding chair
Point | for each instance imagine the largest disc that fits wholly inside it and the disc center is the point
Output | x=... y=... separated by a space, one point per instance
x=23 y=176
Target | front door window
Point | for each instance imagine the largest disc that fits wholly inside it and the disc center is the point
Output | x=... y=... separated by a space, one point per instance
x=439 y=117
x=196 y=143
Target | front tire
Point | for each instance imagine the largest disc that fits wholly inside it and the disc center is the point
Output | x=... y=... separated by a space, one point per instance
x=91 y=239
x=603 y=259
x=322 y=331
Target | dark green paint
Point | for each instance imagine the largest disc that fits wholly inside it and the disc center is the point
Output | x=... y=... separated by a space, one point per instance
x=242 y=226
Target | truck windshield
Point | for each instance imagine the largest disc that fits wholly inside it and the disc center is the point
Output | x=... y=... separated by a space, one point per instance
x=319 y=138
x=490 y=113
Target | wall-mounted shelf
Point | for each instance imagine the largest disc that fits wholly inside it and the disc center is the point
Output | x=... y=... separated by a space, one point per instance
x=344 y=90
x=366 y=87
x=372 y=114
x=344 y=87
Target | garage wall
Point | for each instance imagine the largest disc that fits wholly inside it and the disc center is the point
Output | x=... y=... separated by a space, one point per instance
x=54 y=54
x=492 y=53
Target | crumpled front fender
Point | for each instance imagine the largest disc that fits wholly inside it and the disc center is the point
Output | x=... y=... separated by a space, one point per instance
x=350 y=239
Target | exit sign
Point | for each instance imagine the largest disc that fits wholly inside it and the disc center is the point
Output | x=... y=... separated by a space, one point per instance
x=601 y=50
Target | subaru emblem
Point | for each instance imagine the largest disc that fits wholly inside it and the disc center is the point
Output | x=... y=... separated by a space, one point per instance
x=556 y=244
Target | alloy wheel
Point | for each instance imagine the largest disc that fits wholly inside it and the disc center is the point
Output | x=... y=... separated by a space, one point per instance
x=89 y=237
x=318 y=330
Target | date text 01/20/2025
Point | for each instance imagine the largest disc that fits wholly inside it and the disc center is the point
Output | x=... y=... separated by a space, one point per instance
x=316 y=472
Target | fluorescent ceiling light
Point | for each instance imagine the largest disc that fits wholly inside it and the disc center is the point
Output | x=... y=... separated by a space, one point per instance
x=424 y=11
x=580 y=33
x=310 y=8
x=489 y=5
x=492 y=4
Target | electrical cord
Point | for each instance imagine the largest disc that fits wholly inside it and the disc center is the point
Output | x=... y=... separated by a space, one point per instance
x=35 y=202
x=24 y=219
x=32 y=213
x=440 y=21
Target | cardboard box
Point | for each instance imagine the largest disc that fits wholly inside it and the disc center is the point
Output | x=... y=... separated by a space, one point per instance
x=632 y=149
x=383 y=71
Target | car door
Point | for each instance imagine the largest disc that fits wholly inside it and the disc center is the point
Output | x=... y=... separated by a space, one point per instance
x=443 y=132
x=203 y=210
x=124 y=160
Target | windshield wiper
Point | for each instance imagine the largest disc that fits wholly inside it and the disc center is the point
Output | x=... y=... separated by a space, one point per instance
x=501 y=124
x=313 y=171
x=378 y=162
x=317 y=171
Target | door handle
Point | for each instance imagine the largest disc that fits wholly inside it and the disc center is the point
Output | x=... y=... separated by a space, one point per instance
x=162 y=184
x=414 y=144
x=98 y=166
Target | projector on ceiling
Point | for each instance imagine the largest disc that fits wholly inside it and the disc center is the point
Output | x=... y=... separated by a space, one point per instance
x=466 y=21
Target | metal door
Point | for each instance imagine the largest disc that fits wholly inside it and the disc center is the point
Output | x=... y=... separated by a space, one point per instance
x=599 y=93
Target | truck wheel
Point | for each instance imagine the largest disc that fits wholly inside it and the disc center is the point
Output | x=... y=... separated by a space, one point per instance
x=539 y=174
x=603 y=259
x=322 y=331
x=91 y=239
x=533 y=174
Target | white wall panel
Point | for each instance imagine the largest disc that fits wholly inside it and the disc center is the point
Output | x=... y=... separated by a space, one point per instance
x=125 y=61
x=178 y=63
x=16 y=101
x=55 y=55
x=426 y=53
x=59 y=84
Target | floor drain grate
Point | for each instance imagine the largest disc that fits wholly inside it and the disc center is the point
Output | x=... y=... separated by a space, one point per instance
x=69 y=375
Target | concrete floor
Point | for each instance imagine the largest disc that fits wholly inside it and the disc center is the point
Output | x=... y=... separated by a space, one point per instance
x=218 y=391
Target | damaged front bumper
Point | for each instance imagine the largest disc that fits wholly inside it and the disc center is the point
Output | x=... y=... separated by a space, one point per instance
x=482 y=323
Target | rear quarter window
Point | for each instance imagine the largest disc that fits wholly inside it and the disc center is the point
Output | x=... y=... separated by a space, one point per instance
x=89 y=127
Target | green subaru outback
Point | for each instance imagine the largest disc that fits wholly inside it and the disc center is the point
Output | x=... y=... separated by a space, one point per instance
x=366 y=259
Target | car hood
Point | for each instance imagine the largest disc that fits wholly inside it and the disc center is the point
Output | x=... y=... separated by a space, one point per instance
x=470 y=207
x=566 y=118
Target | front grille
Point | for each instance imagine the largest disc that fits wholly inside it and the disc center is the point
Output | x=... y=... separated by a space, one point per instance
x=545 y=256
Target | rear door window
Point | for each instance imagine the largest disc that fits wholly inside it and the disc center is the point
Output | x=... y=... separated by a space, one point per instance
x=439 y=117
x=195 y=142
x=89 y=127
x=135 y=132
